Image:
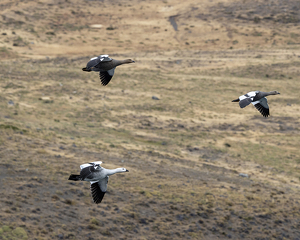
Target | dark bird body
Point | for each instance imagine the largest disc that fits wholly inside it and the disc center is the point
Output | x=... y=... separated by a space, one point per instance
x=105 y=66
x=98 y=176
x=258 y=99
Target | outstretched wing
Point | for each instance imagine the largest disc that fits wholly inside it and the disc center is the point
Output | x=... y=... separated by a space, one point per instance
x=93 y=62
x=104 y=58
x=98 y=190
x=245 y=102
x=96 y=60
x=106 y=76
x=89 y=164
x=246 y=99
x=262 y=106
x=88 y=169
x=86 y=172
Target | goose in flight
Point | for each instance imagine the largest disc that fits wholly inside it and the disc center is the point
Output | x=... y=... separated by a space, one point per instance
x=258 y=99
x=105 y=66
x=98 y=176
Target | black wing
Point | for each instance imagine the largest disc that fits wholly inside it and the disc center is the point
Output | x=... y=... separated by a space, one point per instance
x=93 y=62
x=245 y=102
x=97 y=194
x=105 y=78
x=85 y=172
x=264 y=111
x=96 y=60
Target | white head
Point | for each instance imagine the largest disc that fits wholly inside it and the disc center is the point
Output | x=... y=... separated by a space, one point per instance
x=122 y=170
x=116 y=170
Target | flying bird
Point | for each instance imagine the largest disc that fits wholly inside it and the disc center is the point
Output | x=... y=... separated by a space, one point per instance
x=105 y=66
x=258 y=99
x=97 y=176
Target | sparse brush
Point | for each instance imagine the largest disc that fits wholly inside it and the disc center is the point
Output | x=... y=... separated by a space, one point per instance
x=168 y=119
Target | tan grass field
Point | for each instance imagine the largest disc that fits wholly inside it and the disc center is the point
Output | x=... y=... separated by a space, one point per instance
x=184 y=151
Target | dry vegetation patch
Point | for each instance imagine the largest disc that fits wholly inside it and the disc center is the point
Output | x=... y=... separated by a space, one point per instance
x=200 y=167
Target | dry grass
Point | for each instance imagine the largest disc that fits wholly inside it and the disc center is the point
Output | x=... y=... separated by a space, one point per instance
x=184 y=151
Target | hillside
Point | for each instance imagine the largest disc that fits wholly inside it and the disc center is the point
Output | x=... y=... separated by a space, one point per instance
x=199 y=166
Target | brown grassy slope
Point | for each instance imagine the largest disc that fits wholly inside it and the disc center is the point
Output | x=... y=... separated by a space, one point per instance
x=43 y=28
x=184 y=151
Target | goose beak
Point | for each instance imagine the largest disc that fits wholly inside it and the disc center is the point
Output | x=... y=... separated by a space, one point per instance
x=126 y=170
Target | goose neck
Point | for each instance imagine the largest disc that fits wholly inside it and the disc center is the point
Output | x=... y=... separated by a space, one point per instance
x=112 y=171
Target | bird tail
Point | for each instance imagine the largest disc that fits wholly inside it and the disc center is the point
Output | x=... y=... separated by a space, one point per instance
x=236 y=100
x=85 y=69
x=74 y=177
